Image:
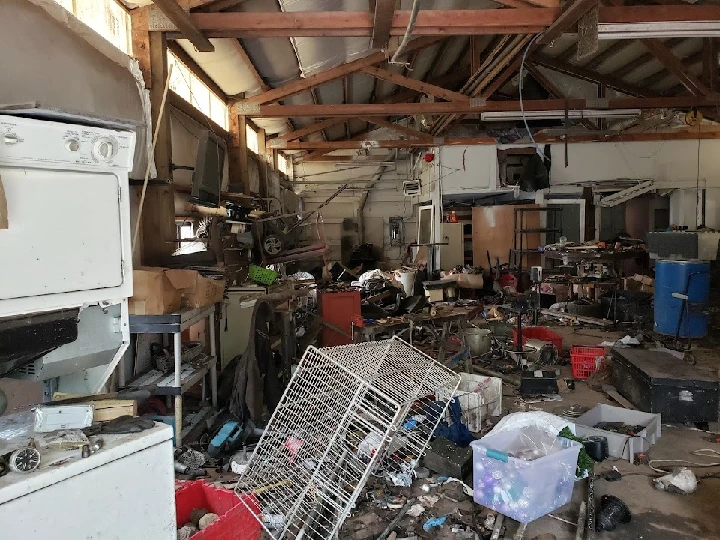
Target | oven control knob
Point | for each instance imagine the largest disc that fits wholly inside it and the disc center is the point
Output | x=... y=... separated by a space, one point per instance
x=72 y=145
x=104 y=149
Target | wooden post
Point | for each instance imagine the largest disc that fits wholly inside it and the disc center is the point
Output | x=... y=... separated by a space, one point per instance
x=158 y=219
x=237 y=154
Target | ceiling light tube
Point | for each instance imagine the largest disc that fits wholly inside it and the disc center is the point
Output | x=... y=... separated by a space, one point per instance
x=573 y=114
x=667 y=29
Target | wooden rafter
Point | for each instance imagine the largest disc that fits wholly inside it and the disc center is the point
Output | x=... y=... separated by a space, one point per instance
x=294 y=87
x=663 y=53
x=310 y=129
x=184 y=23
x=354 y=110
x=415 y=84
x=435 y=22
x=196 y=70
x=709 y=54
x=323 y=147
x=591 y=76
x=382 y=22
x=567 y=19
x=381 y=122
x=448 y=80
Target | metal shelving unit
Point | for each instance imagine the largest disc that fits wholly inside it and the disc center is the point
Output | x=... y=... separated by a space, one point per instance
x=184 y=376
x=520 y=247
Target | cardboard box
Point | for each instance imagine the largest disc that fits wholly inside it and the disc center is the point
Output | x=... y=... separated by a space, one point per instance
x=162 y=290
x=203 y=292
x=156 y=291
x=639 y=282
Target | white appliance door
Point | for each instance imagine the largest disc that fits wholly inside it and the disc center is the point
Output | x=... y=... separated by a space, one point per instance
x=63 y=232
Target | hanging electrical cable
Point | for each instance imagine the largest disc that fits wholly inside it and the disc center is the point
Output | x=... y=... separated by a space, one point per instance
x=520 y=90
x=408 y=32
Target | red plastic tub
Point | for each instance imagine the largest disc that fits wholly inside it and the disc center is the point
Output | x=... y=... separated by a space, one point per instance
x=236 y=521
x=542 y=333
x=586 y=361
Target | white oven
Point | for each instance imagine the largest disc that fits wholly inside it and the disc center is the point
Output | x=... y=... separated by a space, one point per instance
x=67 y=238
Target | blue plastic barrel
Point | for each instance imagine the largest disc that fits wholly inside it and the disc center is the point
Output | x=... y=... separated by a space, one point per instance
x=687 y=278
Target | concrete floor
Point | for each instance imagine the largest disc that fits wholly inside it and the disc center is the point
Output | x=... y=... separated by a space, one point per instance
x=656 y=515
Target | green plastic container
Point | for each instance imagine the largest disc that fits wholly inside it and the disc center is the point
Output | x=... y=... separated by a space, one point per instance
x=261 y=275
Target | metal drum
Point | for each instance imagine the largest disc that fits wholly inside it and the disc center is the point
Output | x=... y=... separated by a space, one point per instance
x=682 y=289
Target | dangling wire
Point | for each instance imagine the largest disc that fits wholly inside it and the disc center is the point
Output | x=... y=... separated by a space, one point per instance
x=520 y=87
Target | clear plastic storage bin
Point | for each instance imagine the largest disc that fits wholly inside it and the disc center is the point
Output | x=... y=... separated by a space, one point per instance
x=522 y=489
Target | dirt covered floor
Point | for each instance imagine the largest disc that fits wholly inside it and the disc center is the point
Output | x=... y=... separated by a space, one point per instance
x=656 y=515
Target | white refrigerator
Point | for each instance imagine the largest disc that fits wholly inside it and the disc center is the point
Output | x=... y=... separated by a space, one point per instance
x=124 y=491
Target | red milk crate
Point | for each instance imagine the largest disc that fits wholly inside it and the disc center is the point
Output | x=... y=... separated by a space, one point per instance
x=235 y=522
x=542 y=333
x=585 y=361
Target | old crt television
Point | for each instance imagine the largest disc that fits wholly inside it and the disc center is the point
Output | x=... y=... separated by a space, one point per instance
x=208 y=174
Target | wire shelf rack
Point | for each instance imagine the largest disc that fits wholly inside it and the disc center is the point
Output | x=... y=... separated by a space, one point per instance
x=348 y=412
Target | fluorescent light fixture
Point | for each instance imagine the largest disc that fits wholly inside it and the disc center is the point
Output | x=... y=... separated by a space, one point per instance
x=573 y=114
x=666 y=29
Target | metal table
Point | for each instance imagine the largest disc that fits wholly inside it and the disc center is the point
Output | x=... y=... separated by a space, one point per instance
x=184 y=376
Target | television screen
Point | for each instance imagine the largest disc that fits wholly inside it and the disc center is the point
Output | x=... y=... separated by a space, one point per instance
x=208 y=174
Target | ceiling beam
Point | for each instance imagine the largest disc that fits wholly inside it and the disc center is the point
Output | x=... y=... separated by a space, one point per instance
x=300 y=85
x=709 y=55
x=415 y=84
x=518 y=3
x=382 y=22
x=310 y=129
x=450 y=79
x=675 y=66
x=567 y=19
x=398 y=128
x=196 y=70
x=329 y=146
x=354 y=110
x=590 y=75
x=184 y=23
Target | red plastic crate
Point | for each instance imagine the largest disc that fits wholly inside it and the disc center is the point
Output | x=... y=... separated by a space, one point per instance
x=236 y=521
x=585 y=362
x=542 y=333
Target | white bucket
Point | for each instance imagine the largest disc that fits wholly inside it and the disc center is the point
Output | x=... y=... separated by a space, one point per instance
x=407 y=280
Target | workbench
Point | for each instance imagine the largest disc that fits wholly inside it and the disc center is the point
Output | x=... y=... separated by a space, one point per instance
x=403 y=326
x=184 y=376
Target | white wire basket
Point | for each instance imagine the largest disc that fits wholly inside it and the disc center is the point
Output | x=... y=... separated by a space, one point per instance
x=348 y=412
x=479 y=397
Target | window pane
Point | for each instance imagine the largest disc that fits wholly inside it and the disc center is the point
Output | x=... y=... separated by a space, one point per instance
x=252 y=139
x=106 y=17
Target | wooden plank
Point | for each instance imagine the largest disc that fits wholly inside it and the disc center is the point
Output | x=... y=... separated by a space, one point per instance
x=307 y=130
x=184 y=23
x=159 y=73
x=415 y=84
x=433 y=21
x=300 y=85
x=238 y=154
x=398 y=128
x=382 y=22
x=352 y=110
x=663 y=53
x=614 y=394
x=141 y=42
x=567 y=20
x=196 y=70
